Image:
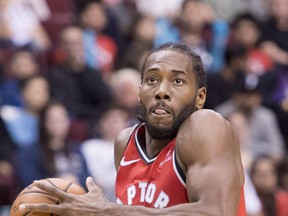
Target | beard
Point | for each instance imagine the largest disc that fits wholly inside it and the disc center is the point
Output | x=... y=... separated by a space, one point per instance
x=160 y=133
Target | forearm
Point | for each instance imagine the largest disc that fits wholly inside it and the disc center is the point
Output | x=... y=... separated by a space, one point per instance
x=275 y=52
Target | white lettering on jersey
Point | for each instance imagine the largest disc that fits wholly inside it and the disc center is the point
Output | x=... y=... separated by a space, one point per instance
x=131 y=192
x=162 y=200
x=118 y=201
x=147 y=194
x=142 y=186
x=150 y=193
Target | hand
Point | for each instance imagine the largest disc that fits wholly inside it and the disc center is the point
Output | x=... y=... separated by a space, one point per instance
x=91 y=203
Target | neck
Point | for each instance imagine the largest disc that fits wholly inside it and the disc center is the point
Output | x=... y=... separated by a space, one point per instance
x=283 y=24
x=76 y=67
x=56 y=144
x=192 y=38
x=154 y=146
x=228 y=74
x=32 y=111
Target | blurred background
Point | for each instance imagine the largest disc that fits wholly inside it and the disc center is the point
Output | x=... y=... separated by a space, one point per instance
x=70 y=75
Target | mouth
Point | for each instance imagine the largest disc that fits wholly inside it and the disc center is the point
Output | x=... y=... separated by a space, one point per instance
x=161 y=110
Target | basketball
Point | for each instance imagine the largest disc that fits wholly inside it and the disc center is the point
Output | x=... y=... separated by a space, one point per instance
x=32 y=194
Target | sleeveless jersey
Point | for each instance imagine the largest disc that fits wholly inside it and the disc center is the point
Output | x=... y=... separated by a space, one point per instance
x=157 y=182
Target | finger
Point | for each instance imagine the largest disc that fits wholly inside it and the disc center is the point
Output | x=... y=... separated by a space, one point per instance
x=39 y=208
x=92 y=187
x=90 y=184
x=50 y=188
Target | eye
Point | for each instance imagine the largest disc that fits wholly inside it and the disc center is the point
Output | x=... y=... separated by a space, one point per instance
x=151 y=80
x=178 y=81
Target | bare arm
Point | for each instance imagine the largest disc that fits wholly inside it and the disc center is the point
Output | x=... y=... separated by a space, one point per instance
x=275 y=52
x=207 y=150
x=120 y=145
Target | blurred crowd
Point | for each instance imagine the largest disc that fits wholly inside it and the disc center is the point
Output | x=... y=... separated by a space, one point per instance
x=70 y=76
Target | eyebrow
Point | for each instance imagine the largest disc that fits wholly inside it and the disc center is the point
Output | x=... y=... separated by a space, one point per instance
x=173 y=70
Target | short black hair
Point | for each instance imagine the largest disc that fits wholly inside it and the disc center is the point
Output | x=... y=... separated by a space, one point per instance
x=245 y=16
x=197 y=65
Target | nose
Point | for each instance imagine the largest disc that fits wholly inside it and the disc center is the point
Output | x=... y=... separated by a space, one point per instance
x=163 y=91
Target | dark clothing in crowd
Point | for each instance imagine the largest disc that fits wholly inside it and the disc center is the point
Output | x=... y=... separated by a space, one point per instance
x=270 y=32
x=84 y=93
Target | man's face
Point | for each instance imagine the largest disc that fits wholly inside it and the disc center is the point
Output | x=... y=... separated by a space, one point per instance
x=36 y=94
x=247 y=102
x=72 y=44
x=168 y=94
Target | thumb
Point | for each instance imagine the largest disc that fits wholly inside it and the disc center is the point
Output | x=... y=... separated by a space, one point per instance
x=92 y=187
x=90 y=184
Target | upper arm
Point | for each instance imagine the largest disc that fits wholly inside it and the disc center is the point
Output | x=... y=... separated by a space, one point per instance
x=208 y=149
x=120 y=145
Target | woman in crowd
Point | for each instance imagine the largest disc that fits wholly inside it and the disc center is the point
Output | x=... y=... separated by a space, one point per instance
x=54 y=155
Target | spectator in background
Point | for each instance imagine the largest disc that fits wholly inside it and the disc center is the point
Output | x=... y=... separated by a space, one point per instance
x=53 y=155
x=157 y=26
x=22 y=65
x=151 y=8
x=264 y=135
x=276 y=96
x=246 y=31
x=241 y=125
x=184 y=26
x=21 y=23
x=252 y=201
x=22 y=122
x=125 y=12
x=275 y=32
x=195 y=30
x=8 y=183
x=264 y=176
x=143 y=32
x=283 y=174
x=100 y=49
x=125 y=86
x=78 y=86
x=228 y=9
x=164 y=17
x=99 y=151
x=221 y=85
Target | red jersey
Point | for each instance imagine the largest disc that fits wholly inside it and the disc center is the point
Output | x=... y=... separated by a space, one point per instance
x=158 y=182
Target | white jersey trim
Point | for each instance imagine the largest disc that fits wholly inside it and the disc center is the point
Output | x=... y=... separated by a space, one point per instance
x=176 y=171
x=142 y=153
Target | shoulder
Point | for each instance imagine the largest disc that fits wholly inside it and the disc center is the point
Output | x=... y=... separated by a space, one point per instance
x=265 y=112
x=10 y=113
x=203 y=120
x=96 y=146
x=205 y=134
x=57 y=73
x=124 y=136
x=29 y=150
x=121 y=143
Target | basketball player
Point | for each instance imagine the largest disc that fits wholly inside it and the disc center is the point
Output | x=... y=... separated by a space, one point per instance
x=180 y=161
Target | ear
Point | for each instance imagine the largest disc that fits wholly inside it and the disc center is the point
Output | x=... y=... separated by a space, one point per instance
x=201 y=97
